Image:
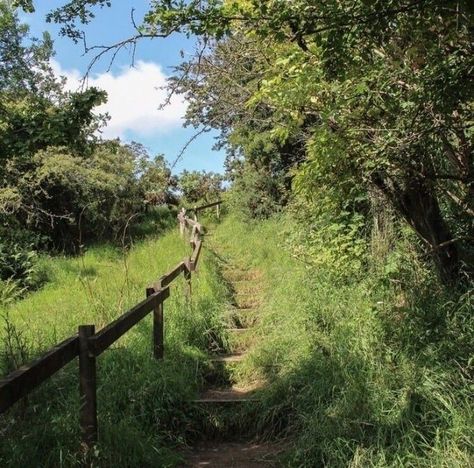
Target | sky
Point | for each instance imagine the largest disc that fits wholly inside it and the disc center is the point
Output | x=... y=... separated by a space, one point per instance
x=134 y=91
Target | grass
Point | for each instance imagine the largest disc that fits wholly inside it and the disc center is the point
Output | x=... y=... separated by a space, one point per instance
x=360 y=371
x=142 y=404
x=356 y=376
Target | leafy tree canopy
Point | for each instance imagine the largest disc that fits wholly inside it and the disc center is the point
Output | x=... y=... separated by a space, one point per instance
x=60 y=184
x=346 y=96
x=200 y=186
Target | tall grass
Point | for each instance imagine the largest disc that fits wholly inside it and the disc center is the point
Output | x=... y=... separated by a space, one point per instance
x=142 y=403
x=361 y=372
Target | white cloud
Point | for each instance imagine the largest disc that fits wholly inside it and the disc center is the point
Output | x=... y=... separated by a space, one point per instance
x=134 y=97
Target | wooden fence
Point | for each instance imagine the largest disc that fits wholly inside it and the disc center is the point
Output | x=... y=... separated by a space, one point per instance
x=87 y=344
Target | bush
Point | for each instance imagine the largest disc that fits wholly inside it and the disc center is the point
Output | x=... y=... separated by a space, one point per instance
x=19 y=260
x=257 y=194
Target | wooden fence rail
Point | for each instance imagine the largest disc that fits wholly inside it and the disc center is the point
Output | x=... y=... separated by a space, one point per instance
x=204 y=207
x=25 y=379
x=89 y=344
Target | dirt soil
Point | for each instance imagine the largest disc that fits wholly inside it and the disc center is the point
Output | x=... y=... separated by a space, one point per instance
x=232 y=455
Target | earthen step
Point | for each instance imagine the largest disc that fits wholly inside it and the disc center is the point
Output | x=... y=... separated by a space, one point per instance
x=240 y=318
x=225 y=395
x=247 y=292
x=228 y=358
x=233 y=270
x=234 y=275
x=246 y=295
x=216 y=454
x=238 y=330
x=252 y=281
x=248 y=306
x=232 y=393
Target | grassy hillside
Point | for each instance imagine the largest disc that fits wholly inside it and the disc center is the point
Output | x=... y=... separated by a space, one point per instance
x=141 y=402
x=361 y=372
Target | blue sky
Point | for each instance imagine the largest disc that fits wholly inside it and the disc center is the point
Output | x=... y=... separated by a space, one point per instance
x=133 y=95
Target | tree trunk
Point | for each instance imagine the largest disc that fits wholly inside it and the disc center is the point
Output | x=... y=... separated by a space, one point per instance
x=417 y=203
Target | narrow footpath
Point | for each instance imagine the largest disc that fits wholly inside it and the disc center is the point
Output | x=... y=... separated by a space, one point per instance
x=225 y=396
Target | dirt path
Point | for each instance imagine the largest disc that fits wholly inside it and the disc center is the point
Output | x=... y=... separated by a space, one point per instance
x=224 y=391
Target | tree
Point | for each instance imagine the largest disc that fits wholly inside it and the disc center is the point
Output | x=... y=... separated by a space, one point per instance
x=200 y=186
x=401 y=118
x=59 y=184
x=156 y=181
x=382 y=84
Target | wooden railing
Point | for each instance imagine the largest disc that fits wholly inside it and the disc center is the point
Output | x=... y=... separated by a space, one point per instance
x=197 y=209
x=88 y=344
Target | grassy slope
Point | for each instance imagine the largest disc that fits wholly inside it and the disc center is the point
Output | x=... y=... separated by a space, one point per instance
x=356 y=378
x=142 y=403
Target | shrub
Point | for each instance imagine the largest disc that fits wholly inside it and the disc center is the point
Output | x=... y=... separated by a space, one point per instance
x=19 y=259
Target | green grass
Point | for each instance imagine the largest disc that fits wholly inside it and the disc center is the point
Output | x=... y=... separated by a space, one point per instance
x=361 y=372
x=357 y=376
x=142 y=404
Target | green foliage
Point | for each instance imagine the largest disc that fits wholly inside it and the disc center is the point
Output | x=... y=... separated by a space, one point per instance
x=255 y=194
x=19 y=259
x=362 y=92
x=361 y=370
x=34 y=111
x=58 y=182
x=70 y=198
x=17 y=263
x=332 y=208
x=200 y=186
x=359 y=113
x=35 y=116
x=23 y=68
x=156 y=181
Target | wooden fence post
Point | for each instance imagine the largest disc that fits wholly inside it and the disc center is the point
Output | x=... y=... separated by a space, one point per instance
x=87 y=388
x=218 y=211
x=182 y=221
x=187 y=277
x=158 y=326
x=192 y=241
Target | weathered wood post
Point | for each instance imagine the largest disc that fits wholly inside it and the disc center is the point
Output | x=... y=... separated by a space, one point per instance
x=87 y=389
x=187 y=277
x=192 y=241
x=182 y=221
x=158 y=324
x=218 y=210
